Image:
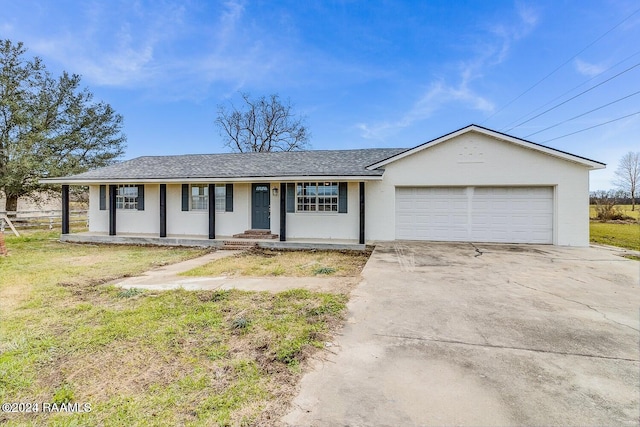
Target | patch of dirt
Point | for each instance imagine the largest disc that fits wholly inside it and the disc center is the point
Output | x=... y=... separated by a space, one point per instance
x=86 y=259
x=12 y=297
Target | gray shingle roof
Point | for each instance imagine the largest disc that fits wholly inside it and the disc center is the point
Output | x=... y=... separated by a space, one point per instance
x=244 y=165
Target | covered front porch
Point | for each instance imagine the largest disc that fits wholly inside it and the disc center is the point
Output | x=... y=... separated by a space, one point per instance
x=219 y=242
x=299 y=214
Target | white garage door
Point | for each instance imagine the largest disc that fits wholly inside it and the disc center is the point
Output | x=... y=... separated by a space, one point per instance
x=478 y=214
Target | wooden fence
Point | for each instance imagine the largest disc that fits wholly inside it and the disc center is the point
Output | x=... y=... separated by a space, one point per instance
x=25 y=220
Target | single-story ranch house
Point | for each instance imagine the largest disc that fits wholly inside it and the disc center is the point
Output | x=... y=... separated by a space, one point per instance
x=474 y=184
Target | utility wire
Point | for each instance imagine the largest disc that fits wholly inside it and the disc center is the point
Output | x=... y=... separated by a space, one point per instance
x=583 y=114
x=591 y=127
x=574 y=97
x=570 y=90
x=562 y=65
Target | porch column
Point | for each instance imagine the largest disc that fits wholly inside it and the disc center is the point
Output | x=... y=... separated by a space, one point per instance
x=212 y=211
x=361 y=240
x=283 y=212
x=65 y=209
x=112 y=210
x=163 y=210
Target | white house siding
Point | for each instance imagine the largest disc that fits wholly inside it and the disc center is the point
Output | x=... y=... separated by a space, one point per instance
x=178 y=222
x=197 y=222
x=299 y=225
x=98 y=220
x=475 y=159
x=127 y=221
x=321 y=225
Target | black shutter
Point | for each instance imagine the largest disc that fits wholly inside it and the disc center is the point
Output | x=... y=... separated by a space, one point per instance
x=103 y=197
x=185 y=197
x=291 y=197
x=140 y=197
x=228 y=198
x=342 y=197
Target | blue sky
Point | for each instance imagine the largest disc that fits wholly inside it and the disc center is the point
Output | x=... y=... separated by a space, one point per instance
x=365 y=73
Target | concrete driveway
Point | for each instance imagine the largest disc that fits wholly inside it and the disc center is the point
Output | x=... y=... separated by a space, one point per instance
x=457 y=334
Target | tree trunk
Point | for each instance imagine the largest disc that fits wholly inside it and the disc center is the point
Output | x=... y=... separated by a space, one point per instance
x=12 y=204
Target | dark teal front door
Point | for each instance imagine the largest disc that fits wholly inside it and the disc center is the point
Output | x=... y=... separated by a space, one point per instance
x=260 y=207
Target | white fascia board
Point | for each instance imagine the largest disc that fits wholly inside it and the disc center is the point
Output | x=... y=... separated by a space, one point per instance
x=591 y=164
x=212 y=180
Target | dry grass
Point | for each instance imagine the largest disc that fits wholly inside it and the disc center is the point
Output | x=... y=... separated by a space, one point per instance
x=265 y=262
x=625 y=209
x=143 y=358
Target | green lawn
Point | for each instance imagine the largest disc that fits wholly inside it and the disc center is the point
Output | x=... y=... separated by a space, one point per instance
x=146 y=358
x=622 y=235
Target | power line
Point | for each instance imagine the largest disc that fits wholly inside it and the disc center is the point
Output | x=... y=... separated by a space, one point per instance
x=592 y=127
x=583 y=114
x=570 y=90
x=562 y=65
x=575 y=96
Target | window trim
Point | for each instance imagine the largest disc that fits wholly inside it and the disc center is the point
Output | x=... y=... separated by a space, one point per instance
x=220 y=202
x=204 y=198
x=121 y=200
x=317 y=196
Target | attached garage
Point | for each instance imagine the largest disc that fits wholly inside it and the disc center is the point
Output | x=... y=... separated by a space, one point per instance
x=478 y=214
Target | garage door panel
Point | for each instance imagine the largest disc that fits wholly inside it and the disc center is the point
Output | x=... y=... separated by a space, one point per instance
x=487 y=214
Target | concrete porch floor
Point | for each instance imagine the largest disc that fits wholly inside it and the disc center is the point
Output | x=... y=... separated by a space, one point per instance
x=203 y=241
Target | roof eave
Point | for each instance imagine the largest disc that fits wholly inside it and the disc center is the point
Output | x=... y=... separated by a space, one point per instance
x=591 y=164
x=94 y=181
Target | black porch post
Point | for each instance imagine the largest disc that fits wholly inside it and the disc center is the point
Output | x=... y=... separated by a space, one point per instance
x=112 y=210
x=361 y=213
x=65 y=209
x=163 y=210
x=283 y=212
x=212 y=211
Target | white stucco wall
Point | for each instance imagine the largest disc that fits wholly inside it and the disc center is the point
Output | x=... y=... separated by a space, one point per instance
x=178 y=222
x=98 y=220
x=197 y=222
x=475 y=159
x=299 y=225
x=127 y=221
x=321 y=225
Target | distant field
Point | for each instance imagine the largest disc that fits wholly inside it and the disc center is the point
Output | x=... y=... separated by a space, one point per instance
x=626 y=209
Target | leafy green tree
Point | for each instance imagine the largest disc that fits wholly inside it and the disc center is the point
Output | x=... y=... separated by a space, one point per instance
x=49 y=126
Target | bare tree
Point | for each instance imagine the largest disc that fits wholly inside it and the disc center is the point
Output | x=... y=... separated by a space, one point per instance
x=628 y=175
x=262 y=124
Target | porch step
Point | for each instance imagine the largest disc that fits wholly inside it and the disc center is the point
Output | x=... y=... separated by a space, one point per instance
x=235 y=245
x=256 y=234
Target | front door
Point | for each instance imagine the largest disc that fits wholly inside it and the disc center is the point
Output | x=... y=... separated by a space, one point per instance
x=260 y=207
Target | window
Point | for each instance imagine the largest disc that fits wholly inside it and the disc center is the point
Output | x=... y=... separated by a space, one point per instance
x=221 y=198
x=317 y=196
x=127 y=197
x=200 y=197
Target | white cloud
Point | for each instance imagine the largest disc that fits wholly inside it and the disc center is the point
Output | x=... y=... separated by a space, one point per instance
x=587 y=69
x=459 y=89
x=436 y=97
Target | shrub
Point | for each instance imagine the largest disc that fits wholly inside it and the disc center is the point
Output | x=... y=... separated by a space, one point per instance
x=605 y=206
